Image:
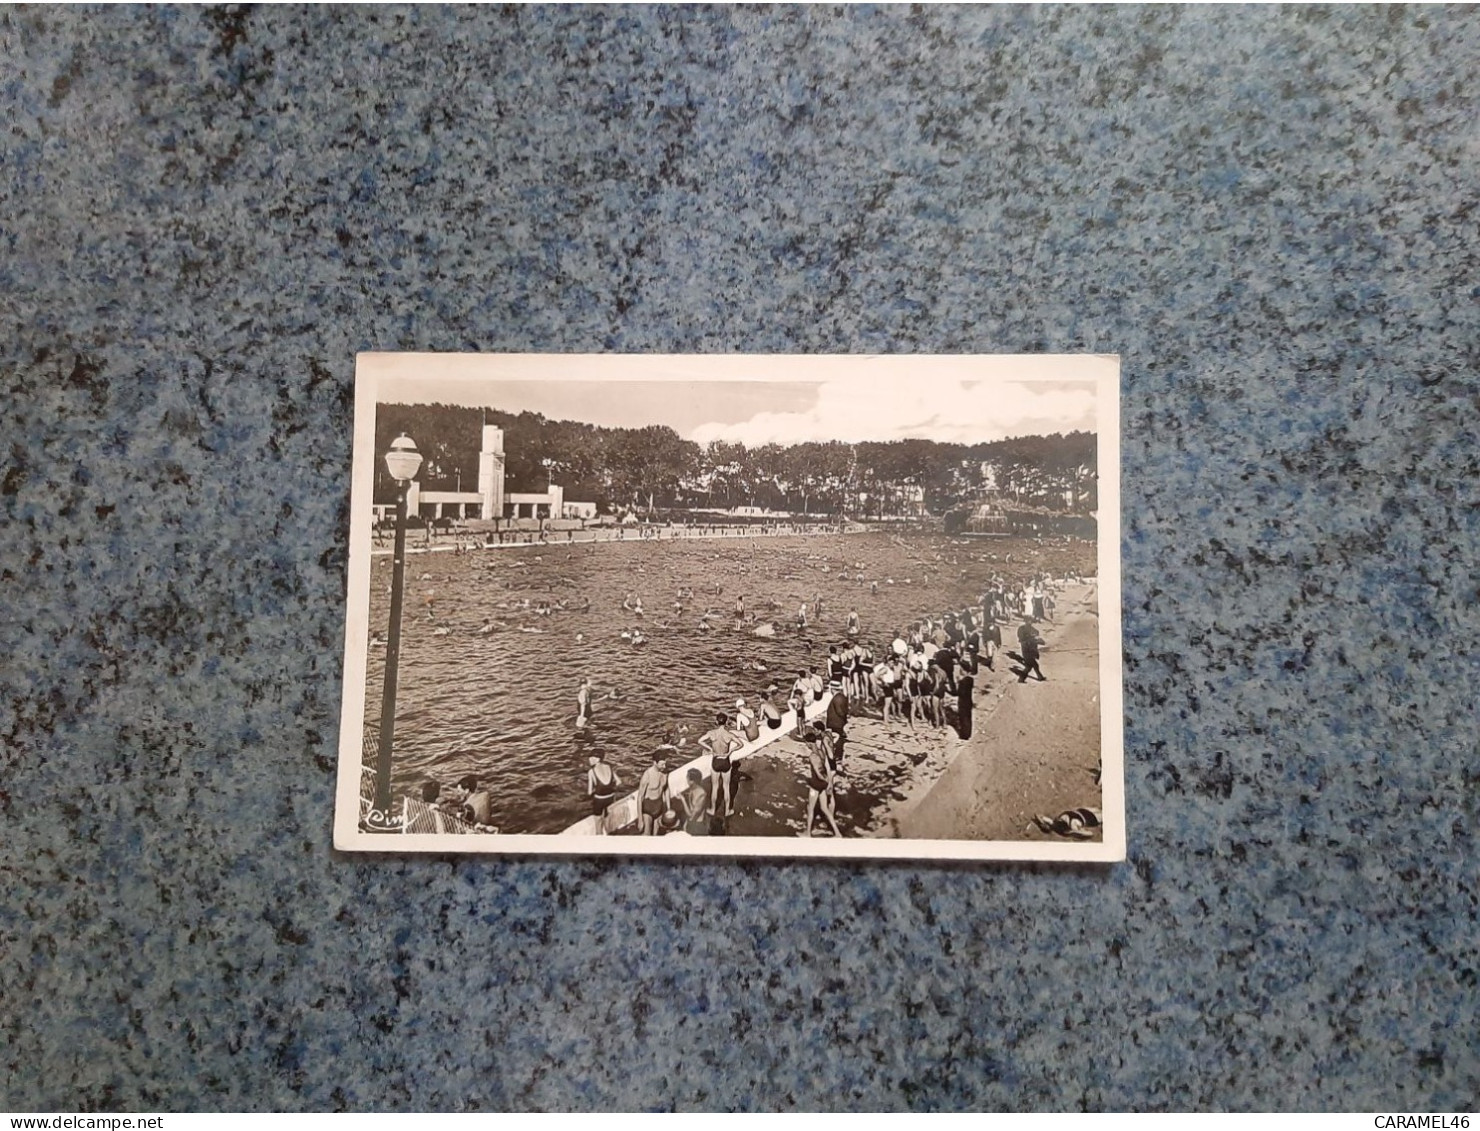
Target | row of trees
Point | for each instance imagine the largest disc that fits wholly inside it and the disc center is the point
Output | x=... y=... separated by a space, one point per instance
x=654 y=467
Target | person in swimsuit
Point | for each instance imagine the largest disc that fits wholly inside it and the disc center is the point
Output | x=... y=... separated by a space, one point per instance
x=835 y=667
x=817 y=684
x=802 y=617
x=819 y=784
x=719 y=744
x=888 y=680
x=770 y=713
x=601 y=787
x=916 y=696
x=745 y=725
x=583 y=702
x=852 y=622
x=800 y=694
x=940 y=682
x=652 y=792
x=866 y=681
x=696 y=804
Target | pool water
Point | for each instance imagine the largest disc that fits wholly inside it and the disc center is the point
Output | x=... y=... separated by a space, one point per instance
x=488 y=684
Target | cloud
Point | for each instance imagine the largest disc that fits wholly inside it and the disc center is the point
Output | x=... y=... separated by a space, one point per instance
x=866 y=407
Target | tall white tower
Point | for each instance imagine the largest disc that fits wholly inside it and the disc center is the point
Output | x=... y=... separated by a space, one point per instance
x=491 y=471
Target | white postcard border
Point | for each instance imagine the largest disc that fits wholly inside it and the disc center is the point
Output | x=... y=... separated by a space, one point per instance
x=778 y=367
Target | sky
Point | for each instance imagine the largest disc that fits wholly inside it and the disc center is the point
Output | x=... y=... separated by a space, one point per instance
x=758 y=400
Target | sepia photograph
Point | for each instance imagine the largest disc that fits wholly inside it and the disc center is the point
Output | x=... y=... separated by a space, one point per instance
x=840 y=606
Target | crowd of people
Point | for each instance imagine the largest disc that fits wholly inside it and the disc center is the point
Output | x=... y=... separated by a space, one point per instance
x=924 y=676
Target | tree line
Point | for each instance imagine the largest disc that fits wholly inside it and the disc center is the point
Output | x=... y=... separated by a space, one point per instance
x=655 y=468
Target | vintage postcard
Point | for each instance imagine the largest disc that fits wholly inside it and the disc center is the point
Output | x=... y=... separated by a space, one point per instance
x=836 y=606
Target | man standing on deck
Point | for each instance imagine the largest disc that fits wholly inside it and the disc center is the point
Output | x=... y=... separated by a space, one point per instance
x=965 y=684
x=1028 y=642
x=719 y=744
x=652 y=792
x=837 y=718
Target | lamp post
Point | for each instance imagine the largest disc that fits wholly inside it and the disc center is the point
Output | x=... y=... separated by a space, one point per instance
x=402 y=461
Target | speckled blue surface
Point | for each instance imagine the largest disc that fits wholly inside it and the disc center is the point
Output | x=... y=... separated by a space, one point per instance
x=1270 y=213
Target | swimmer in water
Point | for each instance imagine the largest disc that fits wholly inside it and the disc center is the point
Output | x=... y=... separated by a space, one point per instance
x=487 y=626
x=583 y=702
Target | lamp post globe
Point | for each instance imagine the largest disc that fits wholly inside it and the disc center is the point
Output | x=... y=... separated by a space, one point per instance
x=403 y=461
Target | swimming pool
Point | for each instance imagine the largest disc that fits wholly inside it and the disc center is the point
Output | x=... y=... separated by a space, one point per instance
x=501 y=703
